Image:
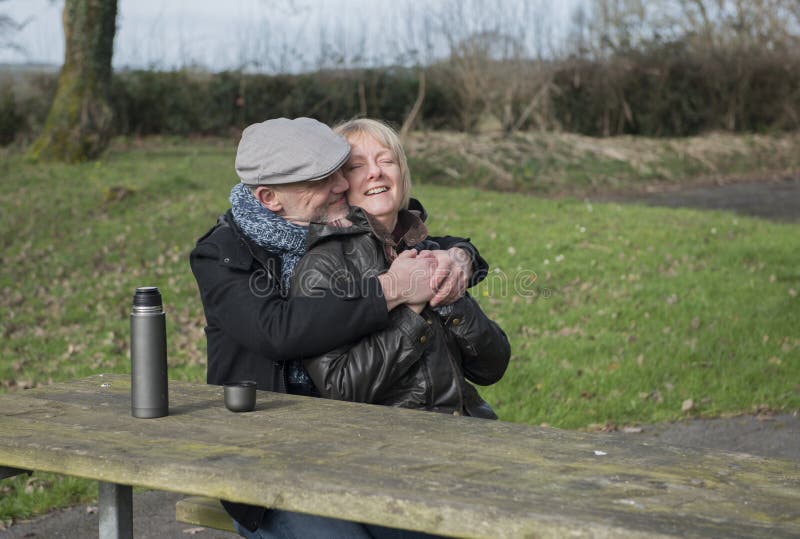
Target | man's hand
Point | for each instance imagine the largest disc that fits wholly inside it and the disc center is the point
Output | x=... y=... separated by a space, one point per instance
x=409 y=279
x=453 y=272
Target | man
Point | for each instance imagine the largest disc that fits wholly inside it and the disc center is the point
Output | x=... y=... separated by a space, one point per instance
x=289 y=172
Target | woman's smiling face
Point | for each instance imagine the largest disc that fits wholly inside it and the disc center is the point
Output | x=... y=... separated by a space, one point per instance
x=375 y=180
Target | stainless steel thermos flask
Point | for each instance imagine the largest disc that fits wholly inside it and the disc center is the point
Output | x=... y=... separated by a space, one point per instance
x=149 y=397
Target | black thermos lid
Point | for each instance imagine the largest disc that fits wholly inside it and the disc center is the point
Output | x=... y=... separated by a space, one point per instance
x=147 y=296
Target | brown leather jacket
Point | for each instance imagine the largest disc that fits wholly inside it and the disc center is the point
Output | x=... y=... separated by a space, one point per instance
x=419 y=360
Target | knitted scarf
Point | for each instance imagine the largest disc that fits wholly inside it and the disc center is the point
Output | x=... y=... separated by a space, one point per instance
x=279 y=236
x=269 y=230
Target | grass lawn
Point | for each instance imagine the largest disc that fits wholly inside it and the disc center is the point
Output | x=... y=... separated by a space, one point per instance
x=616 y=314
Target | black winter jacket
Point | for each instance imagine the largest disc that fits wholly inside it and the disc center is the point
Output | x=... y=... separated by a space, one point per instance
x=252 y=330
x=419 y=360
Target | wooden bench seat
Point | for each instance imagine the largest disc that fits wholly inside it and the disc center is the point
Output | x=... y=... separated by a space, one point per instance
x=205 y=512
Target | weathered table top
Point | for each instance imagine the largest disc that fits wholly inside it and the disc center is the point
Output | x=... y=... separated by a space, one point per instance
x=447 y=475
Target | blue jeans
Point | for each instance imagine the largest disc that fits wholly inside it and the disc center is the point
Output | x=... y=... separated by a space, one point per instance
x=287 y=525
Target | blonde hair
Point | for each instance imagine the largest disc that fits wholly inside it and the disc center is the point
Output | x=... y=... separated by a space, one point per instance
x=386 y=137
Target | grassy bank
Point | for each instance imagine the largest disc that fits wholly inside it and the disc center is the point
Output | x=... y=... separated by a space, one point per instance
x=565 y=163
x=616 y=314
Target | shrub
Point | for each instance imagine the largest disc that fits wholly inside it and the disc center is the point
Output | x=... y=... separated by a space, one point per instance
x=10 y=119
x=657 y=89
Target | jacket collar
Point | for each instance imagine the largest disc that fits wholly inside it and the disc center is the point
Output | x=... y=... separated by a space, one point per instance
x=412 y=226
x=360 y=222
x=415 y=205
x=240 y=252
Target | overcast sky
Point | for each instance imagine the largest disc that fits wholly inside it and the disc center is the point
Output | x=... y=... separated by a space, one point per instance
x=276 y=35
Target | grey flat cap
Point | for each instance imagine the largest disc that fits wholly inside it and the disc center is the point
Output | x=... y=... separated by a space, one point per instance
x=288 y=151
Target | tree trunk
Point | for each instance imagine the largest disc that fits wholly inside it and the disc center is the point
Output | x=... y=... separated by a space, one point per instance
x=78 y=125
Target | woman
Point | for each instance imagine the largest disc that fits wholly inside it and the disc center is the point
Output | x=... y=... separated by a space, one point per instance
x=426 y=356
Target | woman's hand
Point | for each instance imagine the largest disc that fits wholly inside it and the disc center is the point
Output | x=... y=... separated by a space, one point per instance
x=453 y=271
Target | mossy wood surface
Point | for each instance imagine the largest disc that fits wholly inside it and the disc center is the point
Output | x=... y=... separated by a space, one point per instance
x=447 y=475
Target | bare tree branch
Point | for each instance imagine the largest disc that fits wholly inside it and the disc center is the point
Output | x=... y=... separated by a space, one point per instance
x=412 y=116
x=9 y=27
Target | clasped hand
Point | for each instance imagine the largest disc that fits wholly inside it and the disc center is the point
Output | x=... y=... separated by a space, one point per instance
x=429 y=277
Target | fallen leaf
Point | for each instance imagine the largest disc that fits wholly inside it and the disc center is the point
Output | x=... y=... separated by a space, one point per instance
x=763 y=410
x=36 y=484
x=654 y=395
x=569 y=331
x=687 y=406
x=602 y=427
x=632 y=430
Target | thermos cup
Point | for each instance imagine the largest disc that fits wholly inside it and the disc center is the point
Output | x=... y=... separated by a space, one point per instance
x=149 y=397
x=240 y=396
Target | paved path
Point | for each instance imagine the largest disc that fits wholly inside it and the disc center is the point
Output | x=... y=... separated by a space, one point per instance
x=767 y=436
x=153 y=518
x=776 y=199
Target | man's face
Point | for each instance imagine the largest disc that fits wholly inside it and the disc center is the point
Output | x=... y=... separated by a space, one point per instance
x=320 y=201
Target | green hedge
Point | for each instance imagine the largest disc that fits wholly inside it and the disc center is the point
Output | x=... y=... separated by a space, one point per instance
x=24 y=102
x=663 y=91
x=670 y=92
x=186 y=102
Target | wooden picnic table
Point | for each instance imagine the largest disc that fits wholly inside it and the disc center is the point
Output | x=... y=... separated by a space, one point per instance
x=454 y=476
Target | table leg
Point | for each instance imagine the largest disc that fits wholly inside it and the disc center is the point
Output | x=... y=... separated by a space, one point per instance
x=116 y=511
